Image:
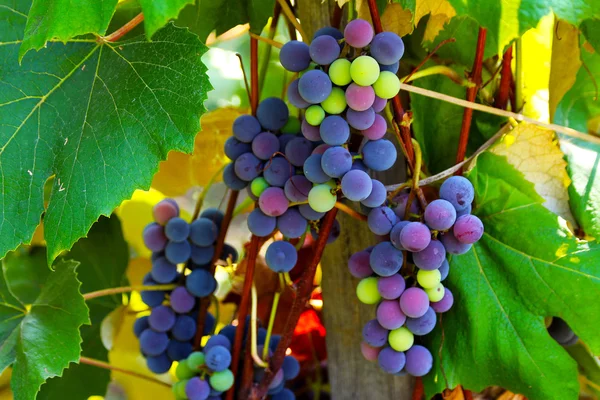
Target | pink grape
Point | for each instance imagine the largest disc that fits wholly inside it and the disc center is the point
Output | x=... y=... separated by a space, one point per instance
x=414 y=302
x=369 y=352
x=431 y=257
x=164 y=210
x=358 y=265
x=360 y=98
x=415 y=236
x=468 y=229
x=391 y=287
x=273 y=202
x=379 y=104
x=310 y=132
x=358 y=33
x=389 y=314
x=445 y=303
x=377 y=130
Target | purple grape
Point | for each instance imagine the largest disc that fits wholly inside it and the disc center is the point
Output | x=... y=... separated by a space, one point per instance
x=379 y=155
x=401 y=200
x=315 y=86
x=153 y=343
x=322 y=148
x=385 y=259
x=452 y=245
x=357 y=185
x=336 y=161
x=154 y=237
x=324 y=50
x=310 y=132
x=418 y=361
x=445 y=268
x=414 y=302
x=313 y=169
x=374 y=334
x=248 y=166
x=297 y=187
x=177 y=229
x=377 y=196
x=440 y=215
x=298 y=150
x=281 y=256
x=273 y=202
x=387 y=48
x=245 y=128
x=264 y=146
x=231 y=179
x=217 y=340
x=178 y=252
x=422 y=325
x=290 y=367
x=163 y=271
x=360 y=120
x=358 y=33
x=464 y=211
x=151 y=298
x=445 y=303
x=285 y=139
x=393 y=68
x=272 y=113
x=159 y=364
x=277 y=171
x=295 y=56
x=203 y=232
x=389 y=314
x=381 y=220
x=334 y=130
x=285 y=394
x=184 y=328
x=202 y=255
x=468 y=229
x=181 y=300
x=277 y=383
x=234 y=148
x=166 y=209
x=415 y=236
x=201 y=283
x=197 y=389
x=431 y=257
x=178 y=350
x=359 y=165
x=458 y=191
x=218 y=358
x=162 y=318
x=310 y=214
x=359 y=266
x=292 y=224
x=395 y=234
x=294 y=96
x=360 y=98
x=390 y=360
x=330 y=31
x=140 y=325
x=379 y=104
x=377 y=130
x=391 y=287
x=229 y=251
x=261 y=224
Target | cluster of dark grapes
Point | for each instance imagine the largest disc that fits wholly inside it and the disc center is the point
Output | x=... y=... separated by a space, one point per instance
x=562 y=332
x=167 y=334
x=407 y=305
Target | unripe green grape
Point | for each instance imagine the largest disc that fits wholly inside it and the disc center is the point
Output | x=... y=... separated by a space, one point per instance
x=339 y=72
x=195 y=361
x=364 y=70
x=429 y=279
x=258 y=186
x=179 y=389
x=331 y=183
x=321 y=199
x=367 y=291
x=314 y=115
x=436 y=293
x=387 y=85
x=183 y=371
x=222 y=380
x=401 y=339
x=291 y=126
x=336 y=102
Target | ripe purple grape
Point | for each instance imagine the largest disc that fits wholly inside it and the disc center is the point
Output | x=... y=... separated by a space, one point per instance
x=379 y=155
x=369 y=352
x=310 y=214
x=203 y=232
x=401 y=201
x=218 y=358
x=153 y=343
x=395 y=234
x=385 y=259
x=315 y=86
x=202 y=255
x=292 y=224
x=184 y=328
x=440 y=215
x=290 y=367
x=201 y=283
x=197 y=388
x=159 y=364
x=296 y=188
x=245 y=128
x=281 y=256
x=418 y=361
x=295 y=56
x=393 y=68
x=334 y=130
x=377 y=130
x=324 y=50
x=445 y=268
x=272 y=113
x=458 y=191
x=217 y=340
x=445 y=303
x=166 y=209
x=390 y=360
x=357 y=185
x=231 y=179
x=248 y=166
x=358 y=33
x=415 y=236
x=163 y=271
x=336 y=161
x=452 y=245
x=360 y=120
x=178 y=252
x=314 y=171
x=359 y=265
x=374 y=334
x=264 y=145
x=298 y=150
x=293 y=95
x=154 y=237
x=162 y=318
x=273 y=202
x=389 y=314
x=379 y=104
x=387 y=48
x=181 y=300
x=377 y=196
x=234 y=148
x=381 y=220
x=391 y=287
x=431 y=257
x=468 y=229
x=360 y=98
x=278 y=171
x=414 y=302
x=422 y=325
x=261 y=224
x=310 y=132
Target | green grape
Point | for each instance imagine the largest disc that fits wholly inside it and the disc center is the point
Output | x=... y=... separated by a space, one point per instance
x=292 y=126
x=195 y=361
x=429 y=279
x=336 y=102
x=387 y=85
x=339 y=72
x=179 y=389
x=331 y=183
x=364 y=70
x=258 y=186
x=401 y=339
x=436 y=293
x=183 y=371
x=222 y=380
x=367 y=291
x=321 y=199
x=314 y=115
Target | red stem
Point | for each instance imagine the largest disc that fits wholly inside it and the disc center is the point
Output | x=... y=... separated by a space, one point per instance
x=122 y=31
x=305 y=287
x=205 y=301
x=336 y=18
x=418 y=390
x=468 y=394
x=253 y=74
x=396 y=102
x=505 y=79
x=243 y=311
x=471 y=94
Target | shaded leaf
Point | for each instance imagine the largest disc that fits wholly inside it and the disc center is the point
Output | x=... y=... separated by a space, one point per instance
x=589 y=367
x=158 y=12
x=565 y=63
x=97 y=117
x=27 y=271
x=526 y=266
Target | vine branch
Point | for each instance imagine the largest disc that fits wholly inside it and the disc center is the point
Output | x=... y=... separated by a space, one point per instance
x=105 y=365
x=122 y=31
x=505 y=79
x=126 y=289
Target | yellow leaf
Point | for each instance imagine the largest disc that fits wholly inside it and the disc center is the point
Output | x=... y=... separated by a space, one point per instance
x=535 y=152
x=441 y=12
x=5 y=391
x=434 y=26
x=565 y=62
x=456 y=394
x=110 y=326
x=342 y=2
x=137 y=268
x=396 y=19
x=182 y=171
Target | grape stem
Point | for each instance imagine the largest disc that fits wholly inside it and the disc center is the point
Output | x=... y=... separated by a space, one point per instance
x=265 y=56
x=239 y=56
x=205 y=190
x=272 y=316
x=443 y=42
x=122 y=31
x=105 y=365
x=253 y=326
x=269 y=41
x=289 y=13
x=254 y=95
x=344 y=208
x=243 y=206
x=505 y=79
x=418 y=391
x=438 y=70
x=126 y=289
x=416 y=173
x=398 y=188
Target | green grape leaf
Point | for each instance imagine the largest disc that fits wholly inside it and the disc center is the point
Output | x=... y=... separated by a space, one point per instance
x=591 y=30
x=41 y=339
x=221 y=15
x=60 y=20
x=158 y=12
x=527 y=266
x=97 y=117
x=27 y=270
x=103 y=257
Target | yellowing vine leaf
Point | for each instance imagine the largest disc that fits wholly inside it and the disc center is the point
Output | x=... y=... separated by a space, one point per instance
x=441 y=12
x=182 y=171
x=396 y=19
x=402 y=17
x=565 y=62
x=535 y=153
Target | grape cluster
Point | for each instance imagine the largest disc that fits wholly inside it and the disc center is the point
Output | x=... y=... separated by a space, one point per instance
x=407 y=305
x=167 y=334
